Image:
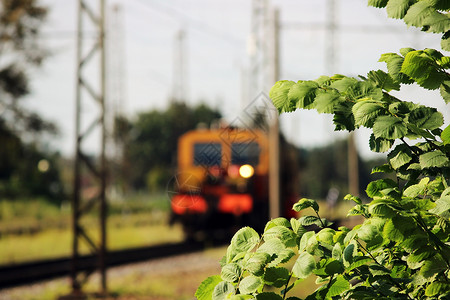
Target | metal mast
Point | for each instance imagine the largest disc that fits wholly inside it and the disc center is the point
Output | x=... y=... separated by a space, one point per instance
x=264 y=72
x=89 y=168
x=179 y=90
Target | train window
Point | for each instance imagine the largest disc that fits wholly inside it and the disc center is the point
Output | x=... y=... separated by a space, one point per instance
x=245 y=153
x=207 y=154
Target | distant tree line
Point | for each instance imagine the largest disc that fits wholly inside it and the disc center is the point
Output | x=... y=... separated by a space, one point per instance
x=25 y=168
x=150 y=141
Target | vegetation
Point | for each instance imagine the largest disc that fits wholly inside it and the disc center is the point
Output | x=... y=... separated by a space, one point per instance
x=20 y=129
x=150 y=143
x=324 y=168
x=402 y=249
x=28 y=228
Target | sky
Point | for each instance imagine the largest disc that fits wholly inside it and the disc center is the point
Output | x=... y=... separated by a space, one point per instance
x=216 y=59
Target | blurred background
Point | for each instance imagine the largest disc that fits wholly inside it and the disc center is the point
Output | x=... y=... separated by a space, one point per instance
x=170 y=66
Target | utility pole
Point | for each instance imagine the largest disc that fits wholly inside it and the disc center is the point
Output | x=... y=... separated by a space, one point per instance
x=179 y=90
x=88 y=168
x=116 y=99
x=264 y=72
x=352 y=153
x=274 y=136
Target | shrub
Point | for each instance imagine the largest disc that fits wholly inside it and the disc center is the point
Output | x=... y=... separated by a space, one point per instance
x=402 y=249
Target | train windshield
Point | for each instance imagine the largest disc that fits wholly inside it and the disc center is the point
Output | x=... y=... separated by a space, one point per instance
x=245 y=153
x=207 y=154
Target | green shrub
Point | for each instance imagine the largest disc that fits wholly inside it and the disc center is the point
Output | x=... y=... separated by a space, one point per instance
x=402 y=249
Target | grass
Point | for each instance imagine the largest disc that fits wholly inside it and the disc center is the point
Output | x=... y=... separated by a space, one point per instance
x=33 y=229
x=53 y=243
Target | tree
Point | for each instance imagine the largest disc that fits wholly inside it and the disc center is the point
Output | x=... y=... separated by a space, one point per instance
x=401 y=250
x=20 y=22
x=152 y=141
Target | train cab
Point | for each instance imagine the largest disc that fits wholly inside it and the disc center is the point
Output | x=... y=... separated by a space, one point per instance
x=222 y=180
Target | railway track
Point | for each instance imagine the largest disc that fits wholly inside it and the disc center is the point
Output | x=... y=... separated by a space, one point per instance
x=25 y=273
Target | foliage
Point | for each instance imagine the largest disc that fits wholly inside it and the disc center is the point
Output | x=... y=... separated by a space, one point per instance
x=26 y=171
x=402 y=249
x=150 y=141
x=326 y=167
x=20 y=22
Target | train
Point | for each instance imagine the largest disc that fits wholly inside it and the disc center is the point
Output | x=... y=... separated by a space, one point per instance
x=222 y=183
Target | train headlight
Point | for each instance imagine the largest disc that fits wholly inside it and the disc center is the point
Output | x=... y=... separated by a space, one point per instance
x=246 y=171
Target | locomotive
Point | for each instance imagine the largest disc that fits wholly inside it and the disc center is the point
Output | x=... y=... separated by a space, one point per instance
x=222 y=182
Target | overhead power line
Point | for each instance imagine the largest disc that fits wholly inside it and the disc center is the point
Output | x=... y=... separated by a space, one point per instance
x=193 y=23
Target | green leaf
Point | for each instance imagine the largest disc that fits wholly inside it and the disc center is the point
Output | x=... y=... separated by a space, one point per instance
x=421 y=67
x=389 y=127
x=442 y=205
x=394 y=64
x=417 y=13
x=426 y=118
x=377 y=270
x=377 y=3
x=279 y=95
x=302 y=94
x=417 y=189
x=374 y=188
x=271 y=247
x=268 y=296
x=277 y=222
x=405 y=51
x=257 y=262
x=344 y=84
x=433 y=159
x=386 y=168
x=383 y=80
x=308 y=220
x=339 y=286
x=437 y=288
x=240 y=297
x=282 y=257
x=367 y=232
x=358 y=261
x=304 y=265
x=206 y=288
x=305 y=238
x=343 y=117
x=350 y=197
x=334 y=267
x=276 y=277
x=366 y=112
x=305 y=203
x=445 y=41
x=437 y=22
x=222 y=290
x=440 y=4
x=397 y=9
x=433 y=266
x=245 y=239
x=444 y=89
x=391 y=232
x=297 y=227
x=326 y=101
x=336 y=253
x=380 y=144
x=250 y=284
x=400 y=156
x=349 y=253
x=231 y=272
x=326 y=236
x=445 y=135
x=285 y=235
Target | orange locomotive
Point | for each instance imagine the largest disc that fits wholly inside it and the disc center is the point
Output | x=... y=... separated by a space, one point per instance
x=222 y=181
